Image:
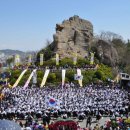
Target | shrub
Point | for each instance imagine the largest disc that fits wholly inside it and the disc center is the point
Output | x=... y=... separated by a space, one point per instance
x=51 y=78
x=66 y=61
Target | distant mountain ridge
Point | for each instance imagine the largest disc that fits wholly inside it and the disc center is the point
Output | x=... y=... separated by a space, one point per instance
x=12 y=52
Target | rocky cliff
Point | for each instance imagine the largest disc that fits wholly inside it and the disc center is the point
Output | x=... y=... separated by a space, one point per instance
x=107 y=53
x=73 y=35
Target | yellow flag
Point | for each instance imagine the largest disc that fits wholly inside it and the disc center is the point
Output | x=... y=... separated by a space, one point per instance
x=17 y=60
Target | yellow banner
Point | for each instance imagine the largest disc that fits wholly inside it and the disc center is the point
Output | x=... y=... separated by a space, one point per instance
x=96 y=67
x=74 y=58
x=41 y=59
x=45 y=77
x=57 y=59
x=17 y=60
x=92 y=58
x=18 y=80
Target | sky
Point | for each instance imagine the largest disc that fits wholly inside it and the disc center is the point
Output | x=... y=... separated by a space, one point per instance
x=26 y=25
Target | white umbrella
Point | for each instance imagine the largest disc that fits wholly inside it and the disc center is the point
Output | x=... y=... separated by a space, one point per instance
x=9 y=125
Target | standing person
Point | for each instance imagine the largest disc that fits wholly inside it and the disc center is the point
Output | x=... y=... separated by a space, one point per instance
x=48 y=118
x=44 y=119
x=29 y=119
x=98 y=117
x=89 y=121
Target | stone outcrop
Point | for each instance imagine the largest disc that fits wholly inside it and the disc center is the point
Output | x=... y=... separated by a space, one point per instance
x=107 y=53
x=76 y=35
x=73 y=35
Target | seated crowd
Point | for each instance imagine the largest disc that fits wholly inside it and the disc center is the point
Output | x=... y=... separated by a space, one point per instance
x=71 y=102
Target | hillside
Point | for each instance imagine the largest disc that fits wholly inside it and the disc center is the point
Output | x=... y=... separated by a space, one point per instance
x=8 y=52
x=11 y=52
x=76 y=36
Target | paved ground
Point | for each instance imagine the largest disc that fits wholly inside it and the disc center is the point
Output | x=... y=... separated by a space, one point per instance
x=83 y=123
x=101 y=122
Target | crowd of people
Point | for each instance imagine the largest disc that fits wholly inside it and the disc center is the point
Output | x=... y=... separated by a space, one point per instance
x=71 y=102
x=54 y=68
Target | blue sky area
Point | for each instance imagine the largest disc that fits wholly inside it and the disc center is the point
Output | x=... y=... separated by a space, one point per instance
x=27 y=24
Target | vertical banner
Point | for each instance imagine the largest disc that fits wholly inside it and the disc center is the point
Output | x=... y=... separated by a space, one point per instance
x=92 y=58
x=79 y=74
x=63 y=77
x=75 y=59
x=117 y=78
x=18 y=80
x=29 y=79
x=45 y=77
x=34 y=77
x=57 y=59
x=17 y=60
x=96 y=67
x=41 y=59
x=29 y=59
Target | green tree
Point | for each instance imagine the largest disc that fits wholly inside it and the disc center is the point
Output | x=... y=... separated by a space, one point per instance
x=99 y=74
x=51 y=78
x=9 y=61
x=66 y=61
x=70 y=76
x=47 y=51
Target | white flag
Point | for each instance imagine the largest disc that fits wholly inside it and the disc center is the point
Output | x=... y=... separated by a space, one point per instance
x=29 y=79
x=63 y=77
x=79 y=74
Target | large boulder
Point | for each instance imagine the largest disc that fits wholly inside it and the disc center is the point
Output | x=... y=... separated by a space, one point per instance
x=107 y=53
x=73 y=35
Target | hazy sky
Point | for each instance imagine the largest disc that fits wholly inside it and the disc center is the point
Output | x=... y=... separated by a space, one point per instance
x=27 y=24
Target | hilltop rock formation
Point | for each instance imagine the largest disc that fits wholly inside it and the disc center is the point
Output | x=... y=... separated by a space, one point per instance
x=73 y=35
x=76 y=35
